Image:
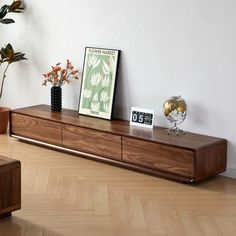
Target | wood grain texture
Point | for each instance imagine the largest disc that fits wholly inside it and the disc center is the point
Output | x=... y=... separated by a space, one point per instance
x=120 y=127
x=115 y=162
x=190 y=157
x=211 y=161
x=91 y=141
x=10 y=185
x=35 y=128
x=158 y=156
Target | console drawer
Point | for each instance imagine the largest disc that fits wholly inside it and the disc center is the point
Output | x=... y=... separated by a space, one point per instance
x=158 y=156
x=91 y=141
x=35 y=128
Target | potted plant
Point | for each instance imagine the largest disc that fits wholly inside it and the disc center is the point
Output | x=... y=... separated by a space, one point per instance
x=8 y=56
x=58 y=76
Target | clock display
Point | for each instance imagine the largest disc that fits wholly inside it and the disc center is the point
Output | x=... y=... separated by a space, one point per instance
x=141 y=117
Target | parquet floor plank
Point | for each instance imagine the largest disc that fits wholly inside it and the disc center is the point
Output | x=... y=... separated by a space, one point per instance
x=67 y=195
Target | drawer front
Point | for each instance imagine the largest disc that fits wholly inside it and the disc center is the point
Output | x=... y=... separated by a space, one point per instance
x=159 y=157
x=35 y=128
x=91 y=141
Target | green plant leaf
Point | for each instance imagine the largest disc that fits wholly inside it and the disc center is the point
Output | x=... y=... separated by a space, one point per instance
x=15 y=7
x=17 y=11
x=7 y=21
x=3 y=11
x=20 y=57
x=10 y=52
x=3 y=53
x=18 y=53
x=8 y=55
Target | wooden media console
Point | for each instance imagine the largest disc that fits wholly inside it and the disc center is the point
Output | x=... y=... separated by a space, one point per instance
x=187 y=158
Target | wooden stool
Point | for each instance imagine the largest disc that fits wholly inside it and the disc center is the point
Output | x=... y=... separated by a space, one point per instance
x=10 y=186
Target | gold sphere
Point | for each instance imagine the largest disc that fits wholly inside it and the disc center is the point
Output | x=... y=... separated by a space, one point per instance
x=175 y=109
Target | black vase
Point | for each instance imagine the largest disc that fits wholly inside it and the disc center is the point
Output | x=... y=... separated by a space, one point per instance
x=56 y=98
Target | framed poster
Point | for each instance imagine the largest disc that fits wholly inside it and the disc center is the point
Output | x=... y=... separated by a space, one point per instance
x=98 y=82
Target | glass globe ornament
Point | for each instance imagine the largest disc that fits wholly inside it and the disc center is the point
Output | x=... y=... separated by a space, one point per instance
x=175 y=110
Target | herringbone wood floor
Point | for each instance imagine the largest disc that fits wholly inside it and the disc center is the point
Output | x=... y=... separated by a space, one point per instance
x=67 y=195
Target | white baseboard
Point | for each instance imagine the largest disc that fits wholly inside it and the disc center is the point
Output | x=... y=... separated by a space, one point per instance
x=230 y=172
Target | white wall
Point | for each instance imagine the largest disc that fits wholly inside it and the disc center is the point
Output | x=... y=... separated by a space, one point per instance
x=169 y=47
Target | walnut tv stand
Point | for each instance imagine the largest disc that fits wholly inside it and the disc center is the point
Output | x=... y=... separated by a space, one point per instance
x=187 y=158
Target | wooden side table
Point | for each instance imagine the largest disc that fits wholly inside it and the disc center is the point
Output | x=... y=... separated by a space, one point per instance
x=10 y=186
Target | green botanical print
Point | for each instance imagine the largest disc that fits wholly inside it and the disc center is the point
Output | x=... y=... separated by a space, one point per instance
x=98 y=83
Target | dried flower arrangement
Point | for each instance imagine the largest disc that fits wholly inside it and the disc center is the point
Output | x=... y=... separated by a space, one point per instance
x=59 y=75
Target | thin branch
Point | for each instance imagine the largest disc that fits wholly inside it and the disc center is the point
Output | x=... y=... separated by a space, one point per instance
x=3 y=78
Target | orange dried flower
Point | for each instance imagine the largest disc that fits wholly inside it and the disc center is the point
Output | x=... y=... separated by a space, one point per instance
x=59 y=76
